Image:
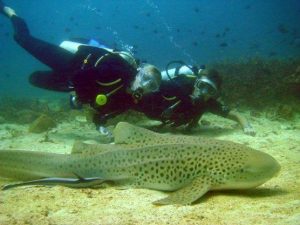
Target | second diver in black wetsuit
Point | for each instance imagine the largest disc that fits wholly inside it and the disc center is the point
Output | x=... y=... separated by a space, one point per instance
x=184 y=98
x=111 y=82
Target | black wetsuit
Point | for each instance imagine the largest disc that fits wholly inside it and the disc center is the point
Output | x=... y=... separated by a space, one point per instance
x=176 y=93
x=86 y=72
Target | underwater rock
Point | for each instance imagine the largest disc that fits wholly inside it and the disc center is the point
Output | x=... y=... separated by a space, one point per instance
x=42 y=124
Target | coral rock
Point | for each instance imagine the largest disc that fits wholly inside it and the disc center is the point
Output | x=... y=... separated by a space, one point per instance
x=42 y=124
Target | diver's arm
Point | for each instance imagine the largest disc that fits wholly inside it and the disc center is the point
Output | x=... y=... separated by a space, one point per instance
x=100 y=120
x=247 y=128
x=219 y=108
x=170 y=111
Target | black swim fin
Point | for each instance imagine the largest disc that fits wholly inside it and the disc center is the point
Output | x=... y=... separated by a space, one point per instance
x=51 y=80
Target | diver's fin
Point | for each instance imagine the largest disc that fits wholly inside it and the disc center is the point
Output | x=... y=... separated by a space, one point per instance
x=51 y=80
x=188 y=194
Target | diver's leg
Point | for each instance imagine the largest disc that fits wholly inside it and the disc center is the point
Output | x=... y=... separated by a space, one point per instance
x=53 y=56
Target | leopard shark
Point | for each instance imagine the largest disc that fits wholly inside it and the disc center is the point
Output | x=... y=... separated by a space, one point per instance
x=186 y=167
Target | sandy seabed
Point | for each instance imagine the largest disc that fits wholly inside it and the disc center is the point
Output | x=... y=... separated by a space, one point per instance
x=275 y=202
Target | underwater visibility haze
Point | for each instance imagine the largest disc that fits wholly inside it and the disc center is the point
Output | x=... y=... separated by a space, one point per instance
x=195 y=31
x=254 y=44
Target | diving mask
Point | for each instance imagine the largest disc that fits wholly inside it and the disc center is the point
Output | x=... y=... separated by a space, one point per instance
x=205 y=88
x=145 y=82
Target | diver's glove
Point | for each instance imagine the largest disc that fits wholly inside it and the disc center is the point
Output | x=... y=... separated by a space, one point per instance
x=74 y=102
x=105 y=134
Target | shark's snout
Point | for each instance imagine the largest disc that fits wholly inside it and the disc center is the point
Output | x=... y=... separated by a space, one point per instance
x=259 y=168
x=263 y=164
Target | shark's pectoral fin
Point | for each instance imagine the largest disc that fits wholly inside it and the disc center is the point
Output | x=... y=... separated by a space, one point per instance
x=188 y=194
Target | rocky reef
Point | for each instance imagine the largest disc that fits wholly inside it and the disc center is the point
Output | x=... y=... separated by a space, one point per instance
x=260 y=85
x=41 y=115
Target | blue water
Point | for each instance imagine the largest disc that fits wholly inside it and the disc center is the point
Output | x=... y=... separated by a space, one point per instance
x=157 y=31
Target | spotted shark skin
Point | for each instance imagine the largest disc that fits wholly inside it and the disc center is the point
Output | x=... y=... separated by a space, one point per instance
x=187 y=167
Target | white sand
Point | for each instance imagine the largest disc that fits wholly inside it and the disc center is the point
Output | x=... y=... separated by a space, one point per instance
x=275 y=202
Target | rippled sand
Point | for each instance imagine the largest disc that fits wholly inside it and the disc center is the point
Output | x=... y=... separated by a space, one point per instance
x=275 y=202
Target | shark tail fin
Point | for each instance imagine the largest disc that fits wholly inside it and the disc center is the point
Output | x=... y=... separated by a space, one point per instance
x=28 y=165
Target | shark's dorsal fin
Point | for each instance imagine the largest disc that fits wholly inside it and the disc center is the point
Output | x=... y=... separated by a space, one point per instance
x=126 y=133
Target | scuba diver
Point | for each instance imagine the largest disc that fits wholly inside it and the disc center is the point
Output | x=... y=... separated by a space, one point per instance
x=185 y=94
x=109 y=81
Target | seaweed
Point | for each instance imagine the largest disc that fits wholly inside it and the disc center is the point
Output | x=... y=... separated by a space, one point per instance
x=260 y=83
x=281 y=112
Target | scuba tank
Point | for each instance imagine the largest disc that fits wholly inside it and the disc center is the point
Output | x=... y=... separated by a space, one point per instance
x=172 y=72
x=73 y=44
x=181 y=69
